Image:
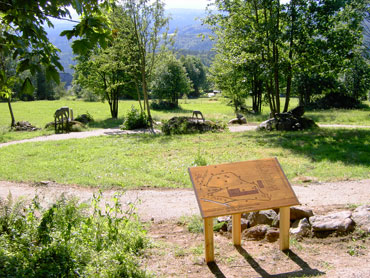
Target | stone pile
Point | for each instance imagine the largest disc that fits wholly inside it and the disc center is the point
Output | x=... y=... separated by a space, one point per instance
x=288 y=121
x=265 y=224
x=240 y=119
x=24 y=126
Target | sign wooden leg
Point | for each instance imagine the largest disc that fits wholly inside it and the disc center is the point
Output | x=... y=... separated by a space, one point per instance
x=208 y=239
x=284 y=227
x=237 y=230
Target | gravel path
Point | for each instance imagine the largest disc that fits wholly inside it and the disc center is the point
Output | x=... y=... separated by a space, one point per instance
x=78 y=135
x=164 y=204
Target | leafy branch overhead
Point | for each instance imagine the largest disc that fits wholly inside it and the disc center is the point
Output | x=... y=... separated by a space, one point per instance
x=25 y=36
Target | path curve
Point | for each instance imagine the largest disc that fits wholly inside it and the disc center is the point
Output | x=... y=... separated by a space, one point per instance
x=165 y=204
x=78 y=135
x=117 y=131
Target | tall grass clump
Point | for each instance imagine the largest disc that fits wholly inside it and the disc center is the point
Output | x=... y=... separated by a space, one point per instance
x=69 y=239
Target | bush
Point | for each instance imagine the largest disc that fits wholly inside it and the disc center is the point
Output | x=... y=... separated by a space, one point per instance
x=336 y=100
x=69 y=239
x=186 y=125
x=84 y=118
x=134 y=120
x=163 y=105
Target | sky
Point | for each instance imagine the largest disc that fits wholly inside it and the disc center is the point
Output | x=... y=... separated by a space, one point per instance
x=186 y=4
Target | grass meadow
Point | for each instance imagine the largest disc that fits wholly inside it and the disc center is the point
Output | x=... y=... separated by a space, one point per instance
x=133 y=161
x=39 y=113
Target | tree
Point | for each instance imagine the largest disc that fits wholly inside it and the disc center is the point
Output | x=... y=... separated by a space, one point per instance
x=22 y=33
x=196 y=73
x=146 y=21
x=109 y=72
x=271 y=44
x=231 y=81
x=170 y=81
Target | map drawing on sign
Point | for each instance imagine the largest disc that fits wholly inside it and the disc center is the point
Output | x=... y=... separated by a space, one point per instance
x=234 y=189
x=241 y=187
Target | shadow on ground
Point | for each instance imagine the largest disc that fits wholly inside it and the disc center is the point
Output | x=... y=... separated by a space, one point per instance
x=107 y=123
x=306 y=271
x=351 y=146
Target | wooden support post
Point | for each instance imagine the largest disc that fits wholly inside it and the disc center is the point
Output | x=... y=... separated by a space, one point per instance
x=208 y=239
x=237 y=229
x=284 y=227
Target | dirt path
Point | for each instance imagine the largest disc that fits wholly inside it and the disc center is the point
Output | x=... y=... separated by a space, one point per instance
x=166 y=204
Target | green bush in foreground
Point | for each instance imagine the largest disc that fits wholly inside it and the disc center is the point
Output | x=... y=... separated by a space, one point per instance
x=135 y=119
x=69 y=239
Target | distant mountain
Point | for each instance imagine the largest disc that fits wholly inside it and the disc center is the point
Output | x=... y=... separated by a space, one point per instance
x=66 y=54
x=186 y=21
x=189 y=28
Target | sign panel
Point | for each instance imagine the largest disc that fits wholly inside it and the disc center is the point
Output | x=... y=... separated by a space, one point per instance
x=241 y=187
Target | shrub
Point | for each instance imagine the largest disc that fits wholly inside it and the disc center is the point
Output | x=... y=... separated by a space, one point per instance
x=84 y=118
x=134 y=119
x=336 y=100
x=163 y=105
x=186 y=125
x=69 y=239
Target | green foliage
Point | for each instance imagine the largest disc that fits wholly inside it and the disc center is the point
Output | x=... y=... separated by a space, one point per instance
x=170 y=81
x=185 y=125
x=135 y=119
x=85 y=118
x=70 y=239
x=196 y=73
x=194 y=223
x=264 y=46
x=200 y=160
x=336 y=100
x=163 y=105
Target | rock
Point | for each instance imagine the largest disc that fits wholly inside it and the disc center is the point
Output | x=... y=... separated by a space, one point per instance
x=301 y=228
x=244 y=225
x=84 y=118
x=339 y=222
x=287 y=121
x=239 y=121
x=297 y=213
x=257 y=232
x=268 y=125
x=297 y=112
x=73 y=126
x=361 y=216
x=272 y=235
x=24 y=126
x=188 y=125
x=262 y=217
x=305 y=179
x=223 y=219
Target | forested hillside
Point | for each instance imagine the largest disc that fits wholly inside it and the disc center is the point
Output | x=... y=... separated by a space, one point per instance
x=186 y=21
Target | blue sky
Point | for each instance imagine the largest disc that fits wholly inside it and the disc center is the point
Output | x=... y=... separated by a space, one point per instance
x=186 y=4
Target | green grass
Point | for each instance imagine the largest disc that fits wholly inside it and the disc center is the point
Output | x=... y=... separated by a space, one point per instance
x=132 y=161
x=39 y=113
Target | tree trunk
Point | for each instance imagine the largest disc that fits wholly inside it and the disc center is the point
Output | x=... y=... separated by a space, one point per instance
x=139 y=96
x=11 y=113
x=146 y=97
x=290 y=69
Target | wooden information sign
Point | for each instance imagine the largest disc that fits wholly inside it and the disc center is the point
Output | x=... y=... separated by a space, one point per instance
x=235 y=188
